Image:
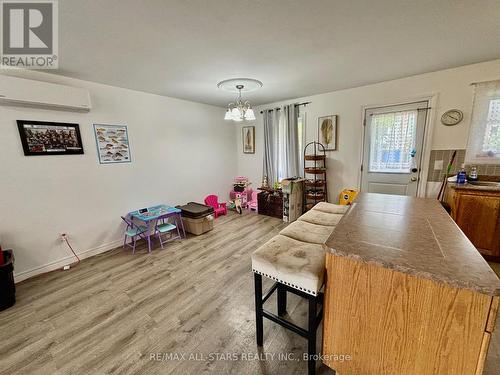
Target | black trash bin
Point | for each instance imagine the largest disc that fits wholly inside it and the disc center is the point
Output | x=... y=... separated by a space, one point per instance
x=7 y=286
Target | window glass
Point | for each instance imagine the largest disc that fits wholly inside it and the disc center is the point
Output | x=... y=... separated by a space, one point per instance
x=393 y=137
x=491 y=141
x=483 y=146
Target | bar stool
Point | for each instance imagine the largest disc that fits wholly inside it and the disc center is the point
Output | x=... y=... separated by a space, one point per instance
x=296 y=267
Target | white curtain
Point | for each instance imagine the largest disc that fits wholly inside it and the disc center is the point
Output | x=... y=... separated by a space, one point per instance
x=287 y=143
x=270 y=147
x=281 y=143
x=393 y=137
x=483 y=146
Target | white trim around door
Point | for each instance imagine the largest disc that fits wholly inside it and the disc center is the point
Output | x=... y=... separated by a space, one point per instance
x=427 y=141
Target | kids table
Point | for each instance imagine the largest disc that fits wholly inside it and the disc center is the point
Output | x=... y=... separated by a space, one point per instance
x=151 y=216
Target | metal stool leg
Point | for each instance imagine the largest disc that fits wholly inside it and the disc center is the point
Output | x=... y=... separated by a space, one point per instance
x=259 y=318
x=311 y=339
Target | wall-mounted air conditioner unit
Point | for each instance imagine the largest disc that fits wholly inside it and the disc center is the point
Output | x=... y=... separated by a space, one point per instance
x=26 y=92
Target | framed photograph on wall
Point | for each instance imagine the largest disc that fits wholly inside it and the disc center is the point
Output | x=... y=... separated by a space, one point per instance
x=112 y=143
x=248 y=133
x=327 y=132
x=49 y=138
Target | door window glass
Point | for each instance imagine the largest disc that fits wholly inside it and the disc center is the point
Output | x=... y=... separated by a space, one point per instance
x=393 y=138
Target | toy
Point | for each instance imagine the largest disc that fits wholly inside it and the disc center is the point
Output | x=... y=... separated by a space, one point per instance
x=241 y=190
x=265 y=184
x=347 y=196
x=252 y=204
x=219 y=208
x=236 y=204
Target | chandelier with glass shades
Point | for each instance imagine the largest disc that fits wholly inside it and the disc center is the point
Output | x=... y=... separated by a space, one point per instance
x=240 y=110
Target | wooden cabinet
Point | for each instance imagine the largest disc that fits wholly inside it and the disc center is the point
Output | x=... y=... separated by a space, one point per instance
x=477 y=213
x=391 y=323
x=270 y=203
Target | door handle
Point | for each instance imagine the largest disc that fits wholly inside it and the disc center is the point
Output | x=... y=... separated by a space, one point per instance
x=413 y=179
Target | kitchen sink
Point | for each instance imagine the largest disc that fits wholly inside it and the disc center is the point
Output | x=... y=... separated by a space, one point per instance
x=484 y=183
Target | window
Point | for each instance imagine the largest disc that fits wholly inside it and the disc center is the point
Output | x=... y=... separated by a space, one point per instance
x=393 y=137
x=289 y=143
x=491 y=141
x=284 y=139
x=484 y=136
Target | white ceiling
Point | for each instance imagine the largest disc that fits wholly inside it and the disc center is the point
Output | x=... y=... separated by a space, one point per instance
x=182 y=48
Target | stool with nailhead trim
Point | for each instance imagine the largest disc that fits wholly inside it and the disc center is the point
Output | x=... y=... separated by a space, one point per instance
x=296 y=267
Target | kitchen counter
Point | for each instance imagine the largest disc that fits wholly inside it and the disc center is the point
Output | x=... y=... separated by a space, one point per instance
x=468 y=186
x=414 y=236
x=406 y=291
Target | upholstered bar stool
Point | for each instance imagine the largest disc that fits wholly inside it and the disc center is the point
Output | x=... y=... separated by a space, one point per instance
x=321 y=218
x=331 y=208
x=296 y=267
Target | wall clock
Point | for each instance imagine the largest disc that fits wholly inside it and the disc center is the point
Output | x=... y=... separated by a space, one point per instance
x=452 y=117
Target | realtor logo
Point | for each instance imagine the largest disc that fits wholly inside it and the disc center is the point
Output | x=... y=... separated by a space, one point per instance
x=29 y=34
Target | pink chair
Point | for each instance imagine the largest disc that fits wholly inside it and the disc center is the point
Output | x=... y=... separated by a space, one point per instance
x=252 y=204
x=219 y=208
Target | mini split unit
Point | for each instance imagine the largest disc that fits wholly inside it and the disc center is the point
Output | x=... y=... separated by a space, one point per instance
x=30 y=93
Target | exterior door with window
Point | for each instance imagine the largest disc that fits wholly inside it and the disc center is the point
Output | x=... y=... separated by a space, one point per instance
x=392 y=151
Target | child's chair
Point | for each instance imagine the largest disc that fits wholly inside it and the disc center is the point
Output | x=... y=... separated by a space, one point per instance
x=219 y=208
x=133 y=231
x=163 y=227
x=252 y=204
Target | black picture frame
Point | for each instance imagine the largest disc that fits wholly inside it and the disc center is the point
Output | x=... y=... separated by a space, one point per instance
x=70 y=145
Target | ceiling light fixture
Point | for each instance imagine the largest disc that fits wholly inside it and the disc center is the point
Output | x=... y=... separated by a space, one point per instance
x=239 y=110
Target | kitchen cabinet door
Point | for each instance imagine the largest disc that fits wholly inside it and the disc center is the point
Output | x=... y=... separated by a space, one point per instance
x=479 y=218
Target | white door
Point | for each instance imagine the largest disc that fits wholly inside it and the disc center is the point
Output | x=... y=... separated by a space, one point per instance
x=392 y=151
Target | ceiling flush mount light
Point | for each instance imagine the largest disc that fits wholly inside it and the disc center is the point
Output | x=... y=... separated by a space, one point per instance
x=239 y=110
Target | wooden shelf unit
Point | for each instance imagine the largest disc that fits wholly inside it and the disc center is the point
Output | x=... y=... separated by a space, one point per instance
x=315 y=173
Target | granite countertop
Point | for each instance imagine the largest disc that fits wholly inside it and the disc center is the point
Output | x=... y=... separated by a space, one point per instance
x=468 y=186
x=412 y=235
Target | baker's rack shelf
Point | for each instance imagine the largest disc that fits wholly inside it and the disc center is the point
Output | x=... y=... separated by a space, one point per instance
x=315 y=173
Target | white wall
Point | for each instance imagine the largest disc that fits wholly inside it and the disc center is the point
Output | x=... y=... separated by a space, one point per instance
x=452 y=90
x=181 y=151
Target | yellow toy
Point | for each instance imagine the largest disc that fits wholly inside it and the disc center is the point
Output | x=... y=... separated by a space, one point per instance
x=347 y=196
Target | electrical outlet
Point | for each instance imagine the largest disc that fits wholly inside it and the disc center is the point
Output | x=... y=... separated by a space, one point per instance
x=438 y=165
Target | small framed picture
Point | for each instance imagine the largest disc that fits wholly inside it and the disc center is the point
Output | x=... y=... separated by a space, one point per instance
x=327 y=132
x=49 y=138
x=112 y=143
x=248 y=133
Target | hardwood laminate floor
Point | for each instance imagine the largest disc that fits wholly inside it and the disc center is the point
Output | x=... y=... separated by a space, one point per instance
x=185 y=309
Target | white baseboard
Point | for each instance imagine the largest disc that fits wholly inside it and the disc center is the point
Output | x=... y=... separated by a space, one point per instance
x=60 y=263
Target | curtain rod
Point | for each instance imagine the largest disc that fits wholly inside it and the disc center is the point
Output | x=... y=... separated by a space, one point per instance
x=278 y=108
x=386 y=113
